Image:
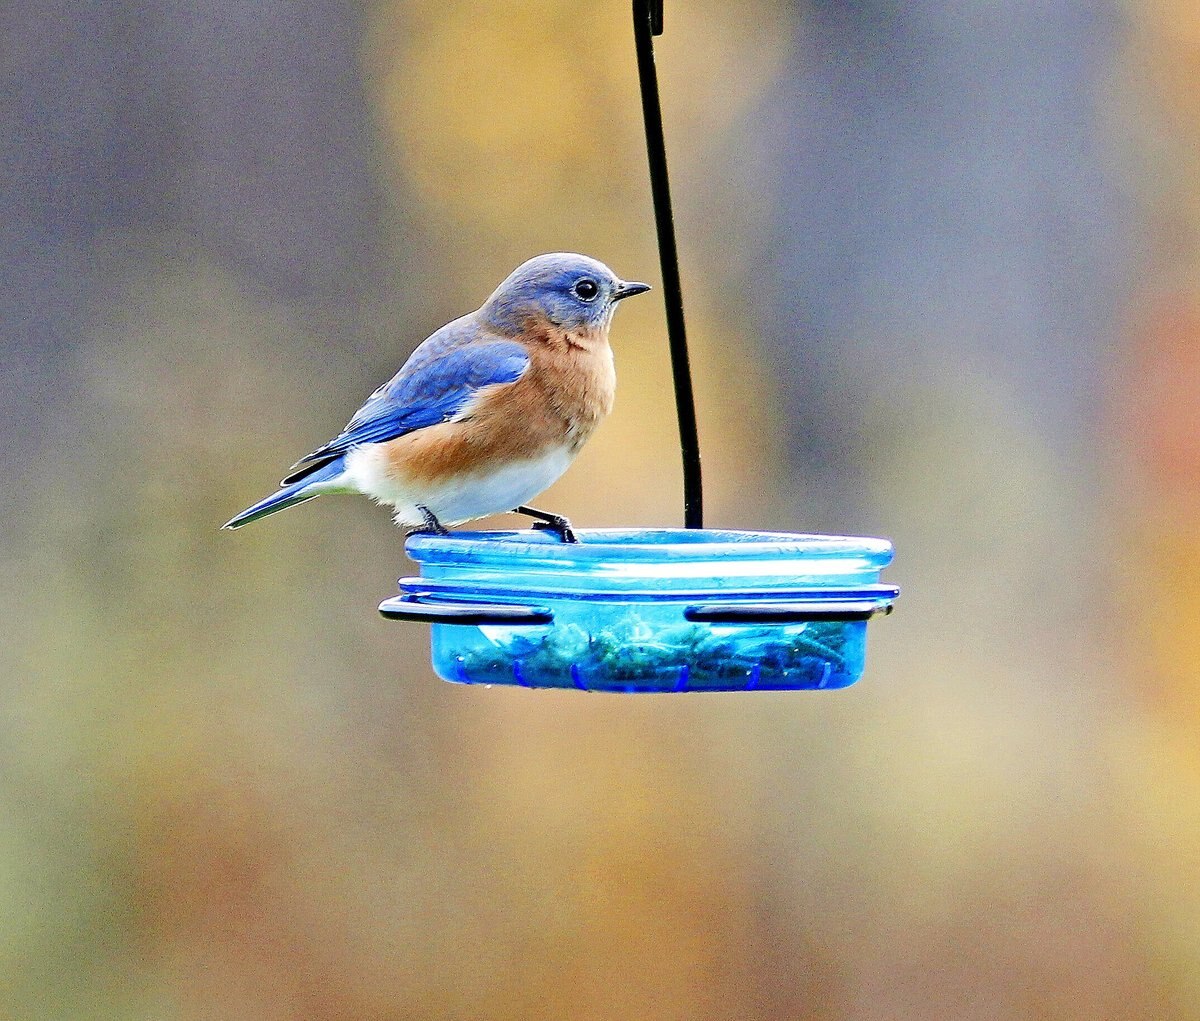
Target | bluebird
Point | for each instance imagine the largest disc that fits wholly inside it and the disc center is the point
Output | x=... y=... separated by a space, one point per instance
x=486 y=413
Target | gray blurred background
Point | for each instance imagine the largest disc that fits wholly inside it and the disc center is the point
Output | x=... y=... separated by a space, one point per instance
x=941 y=264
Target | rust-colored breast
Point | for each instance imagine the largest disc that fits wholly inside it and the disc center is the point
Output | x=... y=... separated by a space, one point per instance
x=558 y=402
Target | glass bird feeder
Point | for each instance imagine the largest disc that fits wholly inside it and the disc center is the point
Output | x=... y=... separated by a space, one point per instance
x=649 y=610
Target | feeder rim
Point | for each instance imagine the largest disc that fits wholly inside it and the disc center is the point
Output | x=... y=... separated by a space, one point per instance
x=646 y=545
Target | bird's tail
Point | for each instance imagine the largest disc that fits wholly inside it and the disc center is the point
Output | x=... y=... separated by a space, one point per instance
x=320 y=481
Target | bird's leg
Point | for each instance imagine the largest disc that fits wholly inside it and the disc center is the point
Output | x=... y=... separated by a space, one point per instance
x=431 y=527
x=555 y=523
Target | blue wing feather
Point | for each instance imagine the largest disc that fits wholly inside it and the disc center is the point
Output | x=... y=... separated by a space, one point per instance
x=434 y=385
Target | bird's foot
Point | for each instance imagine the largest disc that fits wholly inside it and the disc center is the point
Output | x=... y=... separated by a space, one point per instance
x=546 y=521
x=562 y=528
x=431 y=527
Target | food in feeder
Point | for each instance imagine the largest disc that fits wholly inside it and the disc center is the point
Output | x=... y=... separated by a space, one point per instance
x=630 y=654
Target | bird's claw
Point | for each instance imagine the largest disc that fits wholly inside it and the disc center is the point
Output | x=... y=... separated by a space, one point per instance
x=555 y=523
x=431 y=527
x=560 y=527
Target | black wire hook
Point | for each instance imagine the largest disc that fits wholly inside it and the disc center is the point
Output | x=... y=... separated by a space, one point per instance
x=656 y=17
x=647 y=23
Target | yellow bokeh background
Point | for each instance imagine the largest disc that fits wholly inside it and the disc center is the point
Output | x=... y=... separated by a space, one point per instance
x=230 y=790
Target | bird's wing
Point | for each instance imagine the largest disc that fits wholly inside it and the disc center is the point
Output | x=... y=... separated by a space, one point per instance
x=435 y=384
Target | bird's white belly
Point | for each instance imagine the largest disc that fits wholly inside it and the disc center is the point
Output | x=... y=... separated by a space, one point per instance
x=459 y=498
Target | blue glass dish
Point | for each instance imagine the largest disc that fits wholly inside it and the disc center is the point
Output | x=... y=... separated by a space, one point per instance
x=647 y=610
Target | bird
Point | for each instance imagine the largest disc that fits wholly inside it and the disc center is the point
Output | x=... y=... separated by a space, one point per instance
x=486 y=413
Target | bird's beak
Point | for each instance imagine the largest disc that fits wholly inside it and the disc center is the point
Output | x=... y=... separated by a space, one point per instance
x=628 y=289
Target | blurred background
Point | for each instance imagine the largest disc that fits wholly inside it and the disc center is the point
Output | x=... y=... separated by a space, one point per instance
x=942 y=270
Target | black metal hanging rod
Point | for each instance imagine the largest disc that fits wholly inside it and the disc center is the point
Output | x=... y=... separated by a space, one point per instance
x=647 y=23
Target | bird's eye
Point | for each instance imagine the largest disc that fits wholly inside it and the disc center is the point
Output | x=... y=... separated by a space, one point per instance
x=586 y=290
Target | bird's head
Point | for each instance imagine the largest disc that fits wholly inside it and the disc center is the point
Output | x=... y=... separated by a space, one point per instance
x=572 y=292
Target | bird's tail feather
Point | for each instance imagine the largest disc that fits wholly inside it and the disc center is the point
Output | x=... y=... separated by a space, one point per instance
x=298 y=492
